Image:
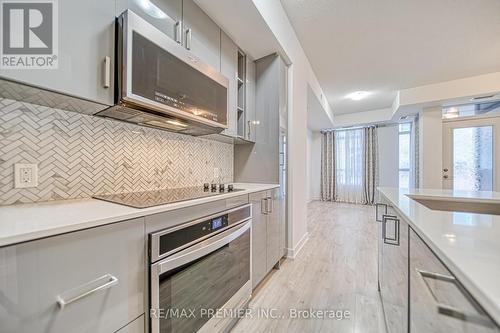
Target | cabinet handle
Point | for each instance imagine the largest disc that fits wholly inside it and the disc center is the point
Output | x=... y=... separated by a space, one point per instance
x=270 y=204
x=177 y=31
x=73 y=295
x=263 y=205
x=377 y=212
x=249 y=123
x=107 y=72
x=387 y=240
x=449 y=310
x=188 y=38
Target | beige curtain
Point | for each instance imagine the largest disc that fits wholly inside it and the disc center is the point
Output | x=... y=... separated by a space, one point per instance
x=370 y=177
x=328 y=172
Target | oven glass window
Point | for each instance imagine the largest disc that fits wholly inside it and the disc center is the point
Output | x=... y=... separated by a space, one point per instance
x=188 y=293
x=162 y=77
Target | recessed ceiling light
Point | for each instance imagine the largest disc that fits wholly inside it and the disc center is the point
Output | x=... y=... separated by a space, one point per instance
x=358 y=95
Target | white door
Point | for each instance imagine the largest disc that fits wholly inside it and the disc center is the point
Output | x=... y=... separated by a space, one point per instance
x=469 y=159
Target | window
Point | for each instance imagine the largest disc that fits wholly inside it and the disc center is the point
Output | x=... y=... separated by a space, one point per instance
x=349 y=165
x=404 y=154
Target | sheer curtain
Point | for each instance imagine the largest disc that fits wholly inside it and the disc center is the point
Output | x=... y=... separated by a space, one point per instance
x=349 y=162
x=349 y=166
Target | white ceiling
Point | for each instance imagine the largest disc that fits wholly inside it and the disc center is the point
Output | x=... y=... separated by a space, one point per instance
x=386 y=45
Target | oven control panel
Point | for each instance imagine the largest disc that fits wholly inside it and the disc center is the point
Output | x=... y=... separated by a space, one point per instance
x=178 y=238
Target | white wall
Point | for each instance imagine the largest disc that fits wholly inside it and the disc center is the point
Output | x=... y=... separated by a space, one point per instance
x=388 y=156
x=313 y=165
x=430 y=148
x=300 y=76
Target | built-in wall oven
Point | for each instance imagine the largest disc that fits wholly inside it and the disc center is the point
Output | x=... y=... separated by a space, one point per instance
x=200 y=273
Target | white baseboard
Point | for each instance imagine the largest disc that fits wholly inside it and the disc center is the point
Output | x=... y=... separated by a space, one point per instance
x=292 y=253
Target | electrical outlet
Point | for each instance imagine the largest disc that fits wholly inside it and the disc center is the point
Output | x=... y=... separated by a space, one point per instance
x=25 y=175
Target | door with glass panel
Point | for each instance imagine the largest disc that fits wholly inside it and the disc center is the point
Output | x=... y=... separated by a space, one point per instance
x=469 y=159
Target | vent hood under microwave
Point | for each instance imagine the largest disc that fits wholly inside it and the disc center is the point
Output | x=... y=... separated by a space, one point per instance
x=161 y=84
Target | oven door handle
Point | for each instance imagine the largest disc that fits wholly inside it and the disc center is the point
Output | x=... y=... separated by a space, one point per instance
x=201 y=249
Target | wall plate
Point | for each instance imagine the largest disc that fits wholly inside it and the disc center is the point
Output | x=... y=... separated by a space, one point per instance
x=25 y=175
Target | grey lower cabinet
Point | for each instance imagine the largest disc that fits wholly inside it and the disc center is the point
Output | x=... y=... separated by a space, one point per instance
x=166 y=15
x=266 y=228
x=86 y=281
x=393 y=269
x=438 y=301
x=201 y=35
x=85 y=40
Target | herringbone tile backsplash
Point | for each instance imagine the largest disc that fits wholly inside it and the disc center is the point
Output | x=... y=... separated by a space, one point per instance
x=80 y=155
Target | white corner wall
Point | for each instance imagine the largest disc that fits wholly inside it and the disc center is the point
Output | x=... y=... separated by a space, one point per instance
x=388 y=156
x=313 y=165
x=430 y=148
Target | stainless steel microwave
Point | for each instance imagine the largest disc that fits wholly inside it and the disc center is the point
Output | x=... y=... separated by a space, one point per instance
x=163 y=85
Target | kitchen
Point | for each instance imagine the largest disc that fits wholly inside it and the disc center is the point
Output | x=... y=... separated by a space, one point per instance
x=195 y=165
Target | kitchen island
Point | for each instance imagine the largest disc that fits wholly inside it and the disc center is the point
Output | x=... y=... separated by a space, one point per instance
x=468 y=244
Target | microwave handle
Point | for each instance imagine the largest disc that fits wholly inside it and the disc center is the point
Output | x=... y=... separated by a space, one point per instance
x=202 y=249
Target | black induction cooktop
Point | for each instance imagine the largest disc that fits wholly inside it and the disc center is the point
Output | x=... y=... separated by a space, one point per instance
x=146 y=199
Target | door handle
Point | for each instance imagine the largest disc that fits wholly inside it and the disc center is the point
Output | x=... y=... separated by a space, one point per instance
x=188 y=38
x=177 y=31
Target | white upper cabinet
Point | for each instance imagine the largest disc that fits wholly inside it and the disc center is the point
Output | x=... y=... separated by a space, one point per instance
x=166 y=15
x=229 y=68
x=200 y=34
x=85 y=38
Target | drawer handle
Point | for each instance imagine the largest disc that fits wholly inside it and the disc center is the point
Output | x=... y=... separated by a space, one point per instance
x=85 y=290
x=263 y=205
x=449 y=310
x=387 y=240
x=269 y=205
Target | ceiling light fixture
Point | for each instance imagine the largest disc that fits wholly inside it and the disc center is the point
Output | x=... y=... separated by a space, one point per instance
x=481 y=97
x=358 y=95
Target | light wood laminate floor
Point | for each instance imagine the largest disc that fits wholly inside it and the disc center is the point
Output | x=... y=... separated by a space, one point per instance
x=336 y=269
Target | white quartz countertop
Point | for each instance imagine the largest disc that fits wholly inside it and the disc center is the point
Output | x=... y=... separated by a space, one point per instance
x=25 y=222
x=469 y=244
